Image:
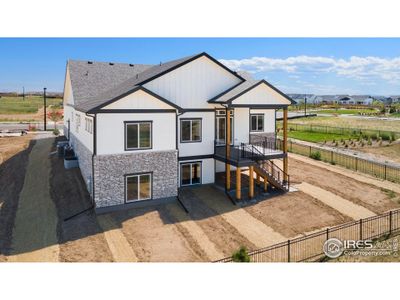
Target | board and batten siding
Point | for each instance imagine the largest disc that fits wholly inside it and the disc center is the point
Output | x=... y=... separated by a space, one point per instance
x=261 y=95
x=138 y=100
x=111 y=131
x=191 y=85
x=206 y=146
x=241 y=125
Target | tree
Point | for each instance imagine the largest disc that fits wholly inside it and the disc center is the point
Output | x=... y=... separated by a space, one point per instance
x=55 y=116
x=241 y=255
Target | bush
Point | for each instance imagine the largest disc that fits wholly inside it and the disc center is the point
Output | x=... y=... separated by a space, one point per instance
x=316 y=155
x=374 y=136
x=241 y=255
x=385 y=136
x=56 y=131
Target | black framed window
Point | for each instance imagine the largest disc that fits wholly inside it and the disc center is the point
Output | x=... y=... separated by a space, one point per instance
x=190 y=173
x=190 y=130
x=257 y=122
x=138 y=135
x=138 y=187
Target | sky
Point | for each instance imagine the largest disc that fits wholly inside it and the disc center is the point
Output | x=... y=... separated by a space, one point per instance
x=365 y=66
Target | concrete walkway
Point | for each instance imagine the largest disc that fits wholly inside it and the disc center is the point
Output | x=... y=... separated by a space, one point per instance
x=35 y=231
x=338 y=203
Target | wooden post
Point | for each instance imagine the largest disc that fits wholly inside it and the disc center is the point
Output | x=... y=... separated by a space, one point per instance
x=258 y=179
x=265 y=184
x=251 y=182
x=228 y=149
x=285 y=159
x=238 y=184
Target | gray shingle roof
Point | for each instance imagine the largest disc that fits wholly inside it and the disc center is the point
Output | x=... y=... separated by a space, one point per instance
x=235 y=91
x=90 y=79
x=128 y=85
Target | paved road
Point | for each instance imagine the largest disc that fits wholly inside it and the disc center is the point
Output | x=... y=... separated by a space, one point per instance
x=24 y=126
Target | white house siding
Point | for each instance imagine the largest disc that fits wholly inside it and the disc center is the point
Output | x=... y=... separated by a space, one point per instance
x=207 y=169
x=261 y=94
x=191 y=85
x=241 y=126
x=111 y=132
x=138 y=100
x=206 y=146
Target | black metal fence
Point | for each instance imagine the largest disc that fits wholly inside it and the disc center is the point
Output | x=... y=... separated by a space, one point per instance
x=310 y=247
x=386 y=134
x=376 y=169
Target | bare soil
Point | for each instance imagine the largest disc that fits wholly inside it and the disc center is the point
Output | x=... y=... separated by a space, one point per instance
x=296 y=213
x=154 y=237
x=369 y=196
x=81 y=238
x=390 y=152
x=15 y=151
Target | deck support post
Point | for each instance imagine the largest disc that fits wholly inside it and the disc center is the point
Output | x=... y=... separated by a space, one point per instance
x=258 y=180
x=285 y=149
x=265 y=184
x=251 y=182
x=238 y=184
x=228 y=149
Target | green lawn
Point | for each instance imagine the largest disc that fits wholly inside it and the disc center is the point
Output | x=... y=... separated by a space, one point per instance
x=317 y=137
x=346 y=111
x=16 y=105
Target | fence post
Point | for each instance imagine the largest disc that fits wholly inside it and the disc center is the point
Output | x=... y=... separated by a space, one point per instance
x=310 y=151
x=390 y=222
x=331 y=157
x=385 y=171
x=291 y=146
x=361 y=231
x=356 y=163
x=327 y=234
x=288 y=250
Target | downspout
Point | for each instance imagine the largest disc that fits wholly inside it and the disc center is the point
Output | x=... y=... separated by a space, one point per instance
x=93 y=156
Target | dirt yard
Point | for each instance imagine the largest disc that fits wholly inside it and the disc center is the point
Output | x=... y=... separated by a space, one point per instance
x=14 y=154
x=213 y=229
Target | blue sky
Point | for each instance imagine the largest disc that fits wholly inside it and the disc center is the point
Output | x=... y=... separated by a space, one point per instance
x=309 y=65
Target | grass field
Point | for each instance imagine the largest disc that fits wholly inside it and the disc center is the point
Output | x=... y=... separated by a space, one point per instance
x=16 y=105
x=362 y=123
x=346 y=111
x=317 y=137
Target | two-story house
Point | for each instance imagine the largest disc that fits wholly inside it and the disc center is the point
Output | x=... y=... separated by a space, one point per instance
x=143 y=131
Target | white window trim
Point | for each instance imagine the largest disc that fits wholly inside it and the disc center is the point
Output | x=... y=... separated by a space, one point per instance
x=138 y=175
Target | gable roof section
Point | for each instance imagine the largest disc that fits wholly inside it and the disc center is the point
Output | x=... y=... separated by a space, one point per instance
x=242 y=88
x=97 y=103
x=90 y=78
x=131 y=84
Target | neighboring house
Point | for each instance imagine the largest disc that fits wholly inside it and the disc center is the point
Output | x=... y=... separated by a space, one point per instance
x=143 y=131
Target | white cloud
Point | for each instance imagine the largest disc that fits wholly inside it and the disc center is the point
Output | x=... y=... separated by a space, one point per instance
x=360 y=68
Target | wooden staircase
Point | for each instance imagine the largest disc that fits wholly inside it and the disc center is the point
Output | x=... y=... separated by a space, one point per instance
x=274 y=174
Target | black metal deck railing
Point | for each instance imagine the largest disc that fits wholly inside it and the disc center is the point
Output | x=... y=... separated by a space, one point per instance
x=248 y=153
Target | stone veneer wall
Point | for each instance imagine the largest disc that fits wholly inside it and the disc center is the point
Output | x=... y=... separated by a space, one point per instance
x=85 y=161
x=259 y=137
x=110 y=171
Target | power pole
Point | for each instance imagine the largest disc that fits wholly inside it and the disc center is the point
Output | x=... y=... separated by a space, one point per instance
x=305 y=105
x=23 y=93
x=44 y=104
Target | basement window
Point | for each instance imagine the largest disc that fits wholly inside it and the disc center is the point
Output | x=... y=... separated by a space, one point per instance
x=190 y=173
x=138 y=187
x=190 y=130
x=138 y=135
x=257 y=122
